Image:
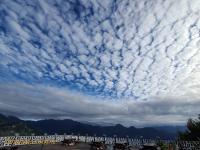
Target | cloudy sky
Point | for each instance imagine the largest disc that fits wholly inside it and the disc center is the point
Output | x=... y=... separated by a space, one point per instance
x=134 y=62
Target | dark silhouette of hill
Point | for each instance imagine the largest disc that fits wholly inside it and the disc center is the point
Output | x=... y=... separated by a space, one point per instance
x=9 y=125
x=171 y=129
x=69 y=126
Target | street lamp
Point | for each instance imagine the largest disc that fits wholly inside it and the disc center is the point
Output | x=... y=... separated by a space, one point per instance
x=115 y=138
x=127 y=139
x=86 y=137
x=72 y=135
x=78 y=136
x=94 y=137
x=104 y=137
x=141 y=138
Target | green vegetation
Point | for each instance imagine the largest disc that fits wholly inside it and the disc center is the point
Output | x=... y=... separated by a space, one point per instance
x=193 y=130
x=162 y=145
x=10 y=126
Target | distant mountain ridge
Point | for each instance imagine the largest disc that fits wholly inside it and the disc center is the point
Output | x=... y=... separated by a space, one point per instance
x=68 y=126
x=171 y=129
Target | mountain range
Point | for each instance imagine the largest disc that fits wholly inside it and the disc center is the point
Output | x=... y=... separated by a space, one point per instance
x=68 y=126
x=10 y=125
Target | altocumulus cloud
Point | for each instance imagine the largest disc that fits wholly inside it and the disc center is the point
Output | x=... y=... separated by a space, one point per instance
x=131 y=62
x=42 y=102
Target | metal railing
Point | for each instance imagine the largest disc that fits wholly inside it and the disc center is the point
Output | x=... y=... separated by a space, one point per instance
x=52 y=139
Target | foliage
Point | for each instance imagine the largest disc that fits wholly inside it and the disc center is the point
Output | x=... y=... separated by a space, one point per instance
x=193 y=130
x=9 y=126
x=162 y=145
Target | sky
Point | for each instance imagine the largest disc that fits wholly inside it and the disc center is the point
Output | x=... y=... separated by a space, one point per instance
x=133 y=62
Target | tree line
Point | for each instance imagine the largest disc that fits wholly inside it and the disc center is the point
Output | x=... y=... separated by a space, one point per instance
x=193 y=130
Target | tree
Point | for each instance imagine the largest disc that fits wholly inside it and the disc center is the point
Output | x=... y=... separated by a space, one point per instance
x=193 y=130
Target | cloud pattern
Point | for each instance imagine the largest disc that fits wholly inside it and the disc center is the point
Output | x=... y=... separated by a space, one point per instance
x=112 y=49
x=42 y=102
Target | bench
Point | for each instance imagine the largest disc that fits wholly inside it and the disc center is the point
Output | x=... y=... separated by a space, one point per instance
x=69 y=142
x=98 y=145
x=149 y=147
x=121 y=146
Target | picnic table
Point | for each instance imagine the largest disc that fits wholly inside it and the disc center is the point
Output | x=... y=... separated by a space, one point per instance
x=121 y=146
x=150 y=147
x=69 y=142
x=98 y=145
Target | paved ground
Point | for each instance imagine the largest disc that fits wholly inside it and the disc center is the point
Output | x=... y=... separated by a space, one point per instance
x=79 y=146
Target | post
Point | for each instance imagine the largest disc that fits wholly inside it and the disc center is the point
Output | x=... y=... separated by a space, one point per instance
x=72 y=135
x=31 y=140
x=104 y=137
x=78 y=136
x=94 y=137
x=177 y=145
x=43 y=141
x=15 y=138
x=86 y=138
x=115 y=138
x=64 y=136
x=141 y=138
x=127 y=139
x=55 y=137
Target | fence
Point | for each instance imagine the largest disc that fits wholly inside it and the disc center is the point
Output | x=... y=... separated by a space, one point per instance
x=52 y=139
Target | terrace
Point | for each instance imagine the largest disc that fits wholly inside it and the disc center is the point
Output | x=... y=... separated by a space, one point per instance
x=54 y=142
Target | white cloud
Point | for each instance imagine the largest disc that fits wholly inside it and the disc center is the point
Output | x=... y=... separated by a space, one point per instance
x=50 y=102
x=121 y=50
